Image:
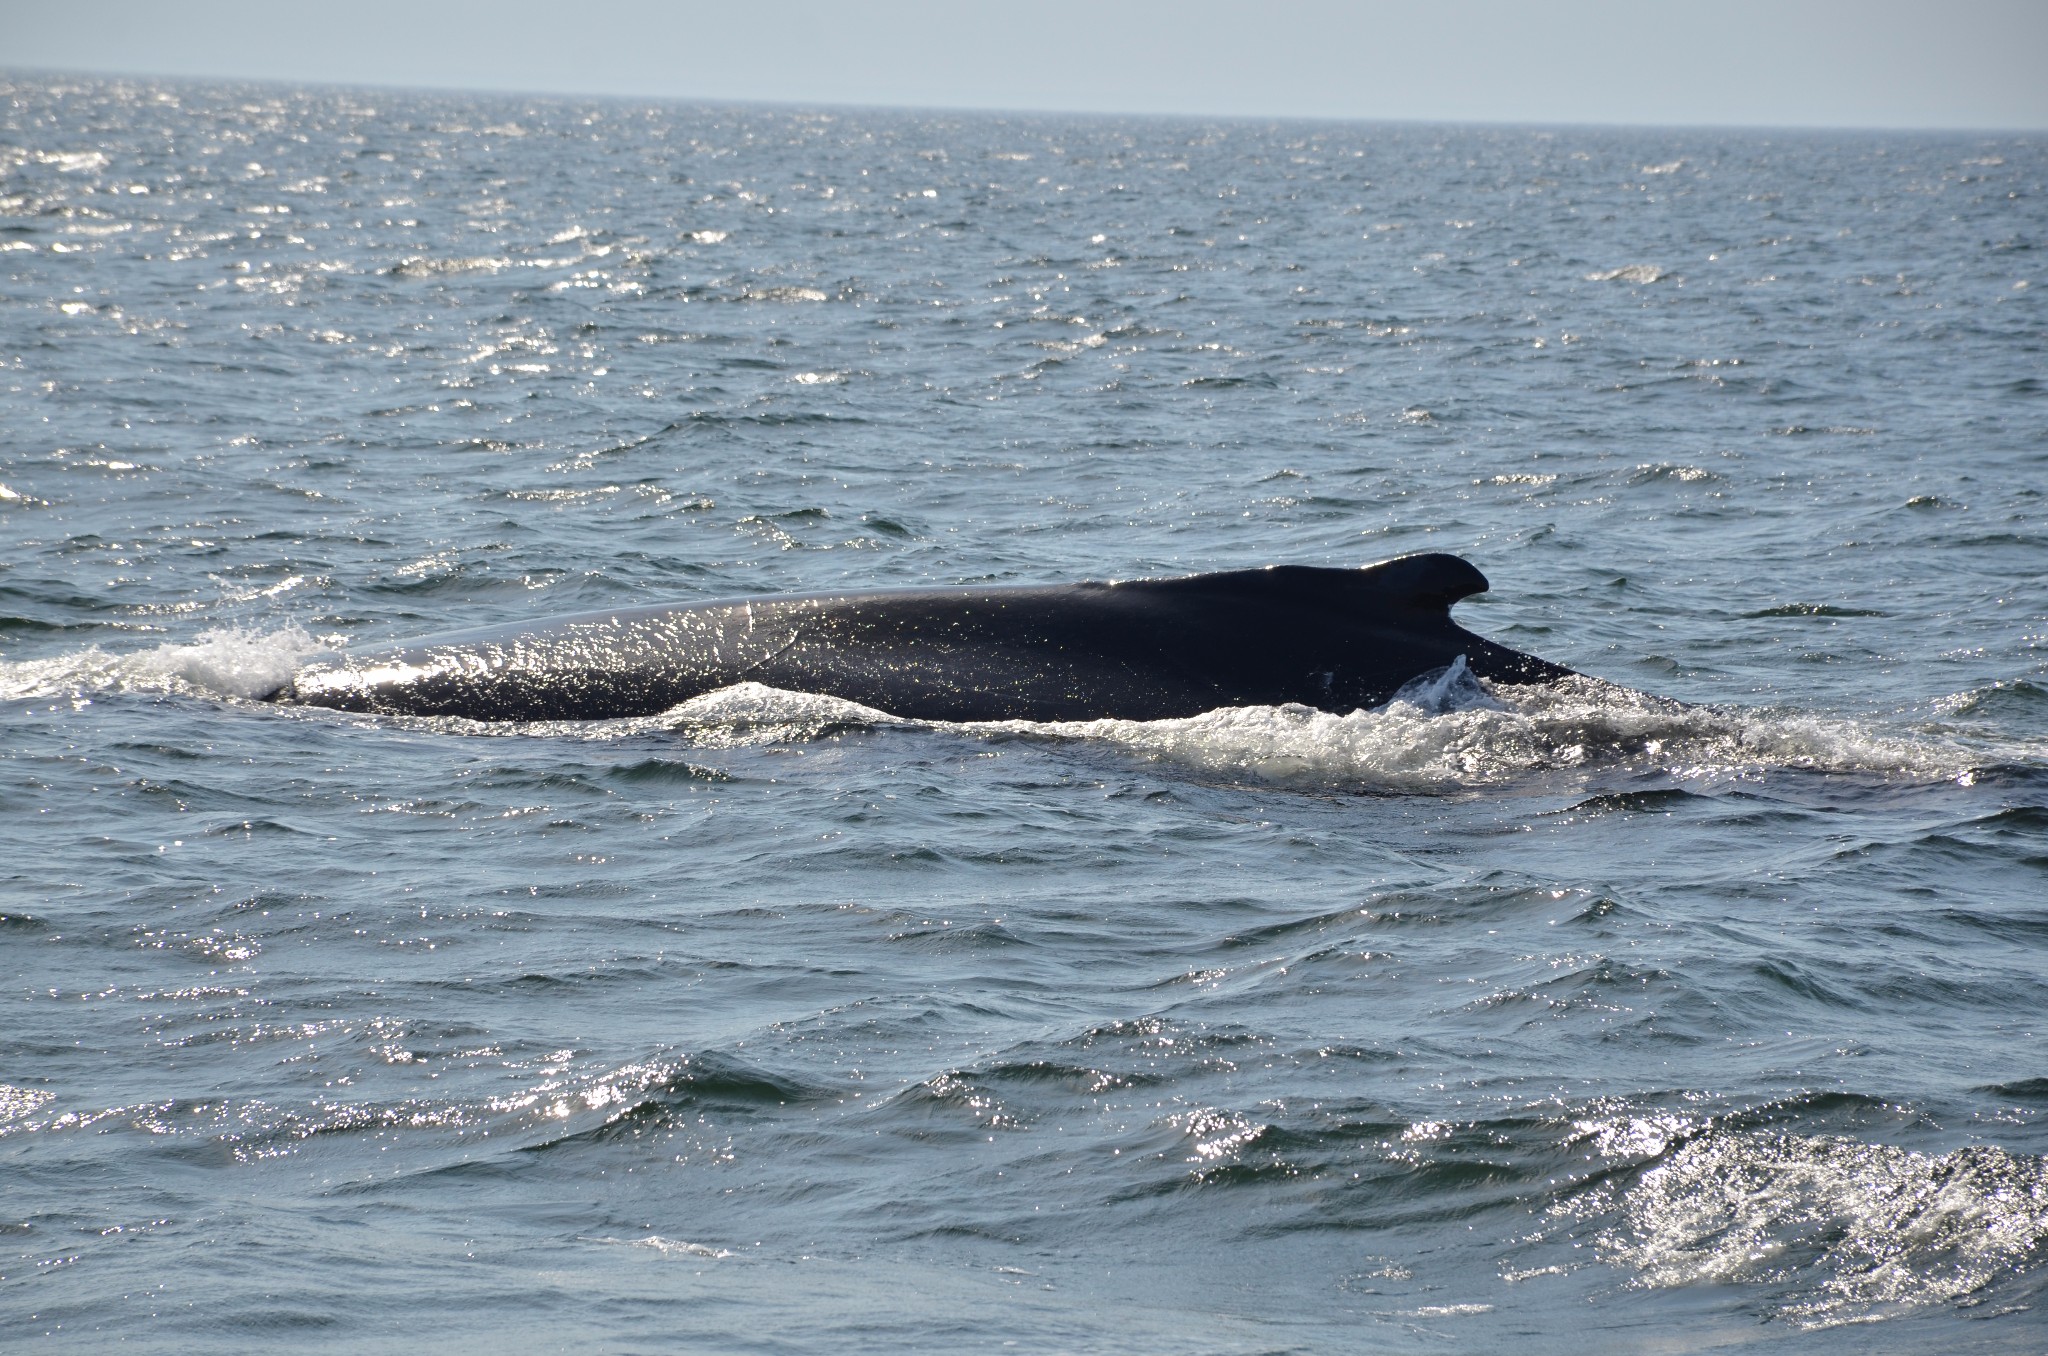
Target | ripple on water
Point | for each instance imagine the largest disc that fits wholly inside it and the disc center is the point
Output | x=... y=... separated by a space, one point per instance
x=1522 y=1018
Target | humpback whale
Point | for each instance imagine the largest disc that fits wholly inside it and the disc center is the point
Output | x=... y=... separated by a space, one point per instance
x=1144 y=649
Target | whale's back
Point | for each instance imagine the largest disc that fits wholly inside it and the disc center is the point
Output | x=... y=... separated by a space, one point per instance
x=1139 y=649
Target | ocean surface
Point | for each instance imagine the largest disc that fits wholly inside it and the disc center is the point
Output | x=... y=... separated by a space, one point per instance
x=1705 y=1007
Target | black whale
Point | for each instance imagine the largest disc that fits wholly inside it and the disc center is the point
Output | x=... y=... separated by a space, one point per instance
x=1338 y=639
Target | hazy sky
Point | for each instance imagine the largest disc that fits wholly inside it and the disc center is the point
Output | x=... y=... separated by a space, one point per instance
x=1839 y=63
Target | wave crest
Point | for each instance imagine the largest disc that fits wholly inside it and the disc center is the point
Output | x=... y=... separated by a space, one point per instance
x=1854 y=1231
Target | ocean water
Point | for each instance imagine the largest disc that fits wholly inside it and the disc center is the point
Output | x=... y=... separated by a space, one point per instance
x=1700 y=1007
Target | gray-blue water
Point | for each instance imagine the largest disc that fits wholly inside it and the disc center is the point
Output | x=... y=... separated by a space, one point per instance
x=1702 y=1011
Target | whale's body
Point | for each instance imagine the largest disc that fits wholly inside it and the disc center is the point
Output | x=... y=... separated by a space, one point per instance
x=1338 y=639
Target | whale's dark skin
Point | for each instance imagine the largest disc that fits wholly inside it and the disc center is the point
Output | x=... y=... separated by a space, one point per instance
x=1338 y=639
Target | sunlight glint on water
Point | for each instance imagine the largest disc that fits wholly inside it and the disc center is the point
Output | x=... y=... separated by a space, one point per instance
x=1698 y=998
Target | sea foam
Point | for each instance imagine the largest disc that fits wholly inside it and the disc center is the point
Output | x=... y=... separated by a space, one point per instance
x=226 y=662
x=1442 y=731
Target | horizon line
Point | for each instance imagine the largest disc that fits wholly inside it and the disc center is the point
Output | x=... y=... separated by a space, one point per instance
x=9 y=72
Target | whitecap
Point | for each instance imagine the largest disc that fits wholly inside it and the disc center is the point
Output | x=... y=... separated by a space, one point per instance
x=1855 y=1231
x=1634 y=273
x=668 y=1247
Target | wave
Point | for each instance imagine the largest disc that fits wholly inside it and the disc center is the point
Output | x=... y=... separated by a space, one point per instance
x=1634 y=273
x=1846 y=1231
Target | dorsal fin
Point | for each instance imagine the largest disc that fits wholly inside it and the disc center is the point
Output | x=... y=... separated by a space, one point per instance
x=1430 y=582
x=1432 y=579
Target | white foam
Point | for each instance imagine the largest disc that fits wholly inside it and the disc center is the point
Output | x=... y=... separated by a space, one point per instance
x=1634 y=273
x=753 y=713
x=1856 y=1231
x=668 y=1247
x=1443 y=731
x=677 y=1247
x=226 y=662
x=1578 y=723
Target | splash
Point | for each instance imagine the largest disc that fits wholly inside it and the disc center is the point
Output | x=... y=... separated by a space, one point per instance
x=224 y=662
x=1441 y=691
